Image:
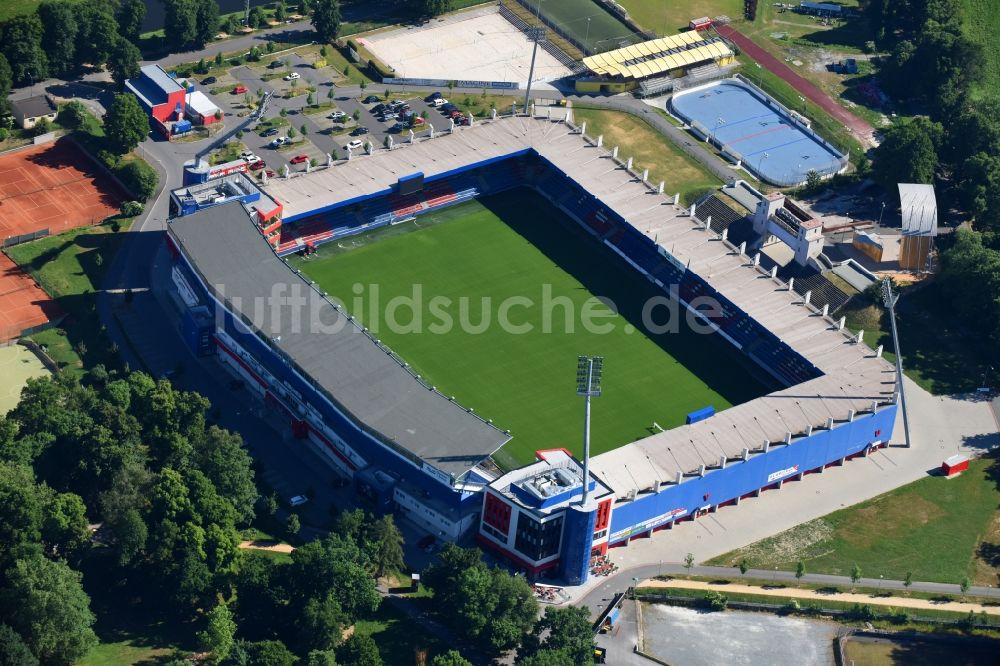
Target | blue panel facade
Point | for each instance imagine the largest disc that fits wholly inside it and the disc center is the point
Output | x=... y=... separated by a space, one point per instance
x=578 y=537
x=740 y=478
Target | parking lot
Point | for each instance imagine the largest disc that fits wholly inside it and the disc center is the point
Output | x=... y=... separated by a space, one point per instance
x=322 y=135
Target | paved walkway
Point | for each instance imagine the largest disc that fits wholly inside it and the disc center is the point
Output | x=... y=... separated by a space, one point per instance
x=860 y=128
x=814 y=595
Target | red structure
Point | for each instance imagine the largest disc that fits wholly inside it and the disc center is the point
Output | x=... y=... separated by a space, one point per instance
x=159 y=93
x=703 y=23
x=955 y=464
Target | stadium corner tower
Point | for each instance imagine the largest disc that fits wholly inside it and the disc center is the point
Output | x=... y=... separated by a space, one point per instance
x=411 y=450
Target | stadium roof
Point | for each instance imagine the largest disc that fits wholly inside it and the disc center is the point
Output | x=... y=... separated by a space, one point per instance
x=360 y=377
x=853 y=376
x=919 y=208
x=657 y=56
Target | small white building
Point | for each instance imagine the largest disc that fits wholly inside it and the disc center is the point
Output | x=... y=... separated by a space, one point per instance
x=200 y=109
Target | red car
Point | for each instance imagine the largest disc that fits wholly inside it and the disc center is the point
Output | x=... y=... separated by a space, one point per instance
x=270 y=174
x=256 y=166
x=299 y=159
x=239 y=90
x=457 y=114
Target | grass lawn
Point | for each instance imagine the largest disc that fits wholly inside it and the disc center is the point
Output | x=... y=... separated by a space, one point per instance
x=888 y=652
x=650 y=150
x=490 y=249
x=398 y=641
x=937 y=354
x=981 y=20
x=12 y=8
x=665 y=18
x=69 y=267
x=932 y=528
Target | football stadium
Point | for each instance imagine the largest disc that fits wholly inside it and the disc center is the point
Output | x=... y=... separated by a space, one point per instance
x=466 y=421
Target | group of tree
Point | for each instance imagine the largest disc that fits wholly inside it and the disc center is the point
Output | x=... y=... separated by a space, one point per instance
x=190 y=23
x=956 y=147
x=62 y=39
x=138 y=458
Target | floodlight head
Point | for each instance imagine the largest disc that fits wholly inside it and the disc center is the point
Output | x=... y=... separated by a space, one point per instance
x=887 y=298
x=588 y=375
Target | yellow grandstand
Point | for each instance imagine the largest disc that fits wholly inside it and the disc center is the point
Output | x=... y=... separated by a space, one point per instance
x=623 y=69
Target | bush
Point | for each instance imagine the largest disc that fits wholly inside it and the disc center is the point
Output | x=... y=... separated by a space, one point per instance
x=132 y=208
x=138 y=177
x=43 y=126
x=716 y=601
x=72 y=115
x=4 y=133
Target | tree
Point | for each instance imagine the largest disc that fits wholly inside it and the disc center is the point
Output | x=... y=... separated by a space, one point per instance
x=221 y=455
x=567 y=631
x=387 y=541
x=326 y=20
x=59 y=28
x=359 y=650
x=433 y=7
x=855 y=575
x=130 y=15
x=320 y=623
x=744 y=567
x=908 y=581
x=800 y=569
x=689 y=561
x=907 y=154
x=260 y=653
x=206 y=22
x=219 y=59
x=97 y=34
x=293 y=525
x=6 y=81
x=965 y=585
x=125 y=123
x=322 y=658
x=45 y=603
x=123 y=63
x=256 y=18
x=311 y=99
x=334 y=566
x=21 y=44
x=450 y=658
x=217 y=636
x=280 y=11
x=180 y=23
x=13 y=650
x=304 y=129
x=292 y=133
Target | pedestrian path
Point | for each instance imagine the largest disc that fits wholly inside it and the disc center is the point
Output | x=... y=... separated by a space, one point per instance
x=816 y=595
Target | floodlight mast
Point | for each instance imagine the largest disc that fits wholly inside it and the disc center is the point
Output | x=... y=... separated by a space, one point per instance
x=536 y=35
x=588 y=385
x=890 y=302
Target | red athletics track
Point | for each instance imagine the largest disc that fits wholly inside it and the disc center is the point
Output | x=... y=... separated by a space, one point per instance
x=804 y=87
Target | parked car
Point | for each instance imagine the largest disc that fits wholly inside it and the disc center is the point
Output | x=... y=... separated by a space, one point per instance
x=298 y=500
x=447 y=108
x=354 y=145
x=293 y=76
x=440 y=101
x=418 y=120
x=299 y=159
x=431 y=99
x=456 y=115
x=337 y=115
x=270 y=173
x=208 y=81
x=358 y=131
x=378 y=108
x=371 y=99
x=279 y=141
x=276 y=64
x=270 y=132
x=240 y=90
x=398 y=127
x=257 y=165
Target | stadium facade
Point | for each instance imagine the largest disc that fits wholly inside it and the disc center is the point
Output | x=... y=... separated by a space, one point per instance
x=413 y=450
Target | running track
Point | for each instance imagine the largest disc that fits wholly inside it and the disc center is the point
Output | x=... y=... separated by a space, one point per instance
x=804 y=87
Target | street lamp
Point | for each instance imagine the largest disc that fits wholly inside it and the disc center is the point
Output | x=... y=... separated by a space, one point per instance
x=881 y=212
x=588 y=385
x=890 y=299
x=586 y=40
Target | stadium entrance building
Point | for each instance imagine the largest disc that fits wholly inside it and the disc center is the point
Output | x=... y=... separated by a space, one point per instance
x=412 y=450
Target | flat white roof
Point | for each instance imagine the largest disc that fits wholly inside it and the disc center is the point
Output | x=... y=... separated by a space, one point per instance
x=919 y=208
x=201 y=104
x=853 y=376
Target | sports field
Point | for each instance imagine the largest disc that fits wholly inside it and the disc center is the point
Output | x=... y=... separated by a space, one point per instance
x=517 y=246
x=17 y=365
x=588 y=23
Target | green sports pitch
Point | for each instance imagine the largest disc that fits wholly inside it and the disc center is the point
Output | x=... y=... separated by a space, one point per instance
x=466 y=263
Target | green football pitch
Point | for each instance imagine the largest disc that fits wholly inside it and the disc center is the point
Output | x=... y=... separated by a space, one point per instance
x=504 y=251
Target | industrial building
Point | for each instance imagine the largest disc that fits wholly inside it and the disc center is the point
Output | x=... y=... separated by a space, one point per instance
x=172 y=105
x=412 y=450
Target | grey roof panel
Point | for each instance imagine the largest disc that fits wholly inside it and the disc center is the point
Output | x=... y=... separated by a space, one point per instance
x=359 y=375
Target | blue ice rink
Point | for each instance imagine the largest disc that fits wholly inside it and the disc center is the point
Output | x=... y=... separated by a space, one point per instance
x=763 y=136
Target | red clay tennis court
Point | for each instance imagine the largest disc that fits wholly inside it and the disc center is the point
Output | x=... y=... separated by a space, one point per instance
x=23 y=304
x=53 y=187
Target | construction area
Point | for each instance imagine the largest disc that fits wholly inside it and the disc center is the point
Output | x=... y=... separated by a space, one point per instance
x=477 y=46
